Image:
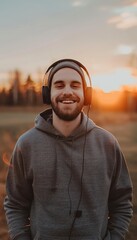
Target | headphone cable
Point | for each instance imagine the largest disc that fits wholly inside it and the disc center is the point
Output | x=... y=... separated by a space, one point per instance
x=81 y=179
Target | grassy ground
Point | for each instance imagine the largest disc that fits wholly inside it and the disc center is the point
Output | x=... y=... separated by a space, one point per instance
x=14 y=121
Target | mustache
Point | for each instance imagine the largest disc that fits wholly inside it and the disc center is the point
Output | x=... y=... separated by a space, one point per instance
x=68 y=98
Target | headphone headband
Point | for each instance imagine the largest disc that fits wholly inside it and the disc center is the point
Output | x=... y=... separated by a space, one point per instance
x=69 y=60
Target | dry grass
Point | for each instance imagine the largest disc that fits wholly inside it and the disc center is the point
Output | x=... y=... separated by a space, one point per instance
x=3 y=225
x=14 y=121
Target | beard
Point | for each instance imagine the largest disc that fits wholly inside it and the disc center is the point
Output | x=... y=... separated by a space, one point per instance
x=67 y=114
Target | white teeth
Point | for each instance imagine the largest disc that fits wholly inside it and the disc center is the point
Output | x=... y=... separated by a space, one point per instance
x=67 y=101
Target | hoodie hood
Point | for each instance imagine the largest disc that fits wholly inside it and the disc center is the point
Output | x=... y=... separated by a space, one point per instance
x=43 y=122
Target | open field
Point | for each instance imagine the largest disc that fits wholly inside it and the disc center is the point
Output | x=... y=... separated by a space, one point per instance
x=14 y=121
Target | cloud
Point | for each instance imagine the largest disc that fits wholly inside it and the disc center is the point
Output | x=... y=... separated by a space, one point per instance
x=79 y=3
x=135 y=3
x=124 y=49
x=125 y=17
x=124 y=21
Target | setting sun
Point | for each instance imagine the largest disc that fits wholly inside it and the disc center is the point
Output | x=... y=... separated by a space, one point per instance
x=114 y=81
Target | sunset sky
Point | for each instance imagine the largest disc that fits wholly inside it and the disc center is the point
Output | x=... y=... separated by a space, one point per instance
x=100 y=34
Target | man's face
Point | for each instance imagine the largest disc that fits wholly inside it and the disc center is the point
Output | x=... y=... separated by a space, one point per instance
x=67 y=97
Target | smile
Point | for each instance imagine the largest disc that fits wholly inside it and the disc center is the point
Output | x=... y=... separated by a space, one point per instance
x=68 y=101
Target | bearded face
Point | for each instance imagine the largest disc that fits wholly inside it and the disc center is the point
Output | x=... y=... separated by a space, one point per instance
x=67 y=107
x=67 y=97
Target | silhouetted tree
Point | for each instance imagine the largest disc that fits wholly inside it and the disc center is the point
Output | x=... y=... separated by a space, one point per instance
x=3 y=97
x=15 y=92
x=29 y=91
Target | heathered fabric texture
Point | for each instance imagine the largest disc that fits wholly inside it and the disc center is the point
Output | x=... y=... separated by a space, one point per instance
x=45 y=182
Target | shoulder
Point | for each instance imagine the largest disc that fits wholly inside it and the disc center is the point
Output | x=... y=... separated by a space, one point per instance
x=27 y=137
x=95 y=130
x=104 y=135
x=103 y=132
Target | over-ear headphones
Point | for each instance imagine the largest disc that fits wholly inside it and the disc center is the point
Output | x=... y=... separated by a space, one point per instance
x=66 y=63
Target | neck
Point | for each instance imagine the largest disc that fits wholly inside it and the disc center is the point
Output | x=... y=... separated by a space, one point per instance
x=66 y=127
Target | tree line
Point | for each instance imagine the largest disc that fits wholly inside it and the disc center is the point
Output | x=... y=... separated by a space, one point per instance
x=28 y=93
x=21 y=93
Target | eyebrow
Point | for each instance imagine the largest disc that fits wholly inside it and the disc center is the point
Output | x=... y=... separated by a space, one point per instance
x=61 y=81
x=58 y=81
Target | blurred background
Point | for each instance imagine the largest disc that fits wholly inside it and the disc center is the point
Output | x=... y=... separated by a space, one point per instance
x=102 y=35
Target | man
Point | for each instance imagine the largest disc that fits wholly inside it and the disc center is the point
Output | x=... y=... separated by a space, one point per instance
x=68 y=178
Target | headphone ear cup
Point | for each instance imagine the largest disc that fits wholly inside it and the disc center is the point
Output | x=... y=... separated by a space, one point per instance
x=88 y=96
x=46 y=95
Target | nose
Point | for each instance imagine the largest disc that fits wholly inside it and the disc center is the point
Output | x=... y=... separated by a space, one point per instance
x=68 y=90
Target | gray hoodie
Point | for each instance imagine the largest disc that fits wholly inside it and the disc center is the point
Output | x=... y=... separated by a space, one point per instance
x=61 y=188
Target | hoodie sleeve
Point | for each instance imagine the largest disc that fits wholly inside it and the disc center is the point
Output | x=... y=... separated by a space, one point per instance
x=120 y=199
x=19 y=197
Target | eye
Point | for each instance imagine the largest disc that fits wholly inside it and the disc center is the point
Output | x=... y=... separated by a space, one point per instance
x=59 y=85
x=76 y=85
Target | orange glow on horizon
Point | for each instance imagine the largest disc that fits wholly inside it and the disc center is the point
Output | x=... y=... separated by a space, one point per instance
x=107 y=82
x=108 y=99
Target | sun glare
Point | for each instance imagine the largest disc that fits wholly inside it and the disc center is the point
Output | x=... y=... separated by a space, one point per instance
x=115 y=80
